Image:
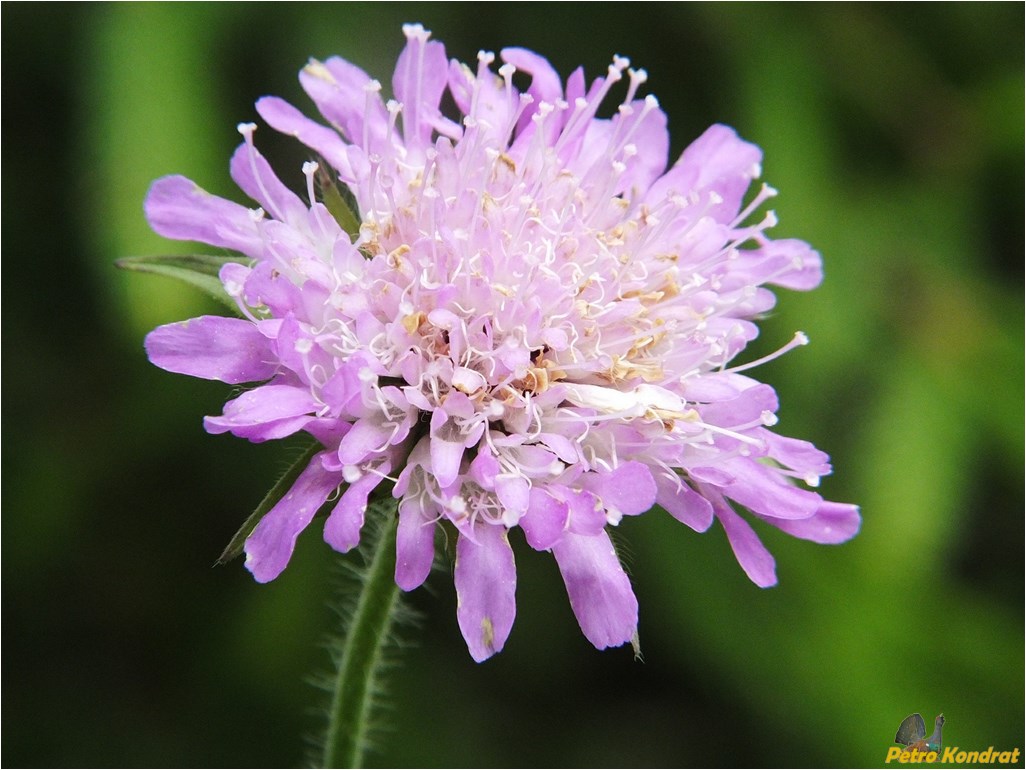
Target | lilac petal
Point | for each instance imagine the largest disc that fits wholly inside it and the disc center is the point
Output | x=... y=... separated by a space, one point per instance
x=342 y=529
x=270 y=411
x=367 y=436
x=708 y=475
x=446 y=457
x=421 y=73
x=253 y=174
x=652 y=141
x=282 y=116
x=763 y=490
x=600 y=591
x=545 y=83
x=798 y=455
x=683 y=503
x=806 y=263
x=414 y=545
x=587 y=513
x=265 y=285
x=751 y=554
x=270 y=546
x=484 y=468
x=832 y=523
x=178 y=208
x=545 y=520
x=486 y=582
x=340 y=91
x=747 y=407
x=447 y=446
x=514 y=494
x=628 y=490
x=231 y=350
x=718 y=161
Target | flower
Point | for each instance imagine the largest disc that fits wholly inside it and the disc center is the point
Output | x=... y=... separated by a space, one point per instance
x=532 y=327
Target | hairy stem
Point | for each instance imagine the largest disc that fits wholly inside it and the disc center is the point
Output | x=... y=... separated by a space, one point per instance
x=361 y=652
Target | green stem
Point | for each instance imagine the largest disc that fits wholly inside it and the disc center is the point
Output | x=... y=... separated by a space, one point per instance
x=354 y=686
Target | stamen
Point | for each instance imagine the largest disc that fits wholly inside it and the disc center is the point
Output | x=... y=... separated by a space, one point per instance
x=798 y=340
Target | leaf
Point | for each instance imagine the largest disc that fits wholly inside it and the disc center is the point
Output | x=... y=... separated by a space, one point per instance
x=277 y=492
x=199 y=270
x=339 y=203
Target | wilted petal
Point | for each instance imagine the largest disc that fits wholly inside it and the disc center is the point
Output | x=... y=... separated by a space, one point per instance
x=486 y=582
x=600 y=591
x=270 y=546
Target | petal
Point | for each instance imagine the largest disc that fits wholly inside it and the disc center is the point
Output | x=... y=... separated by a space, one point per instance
x=651 y=138
x=718 y=161
x=798 y=455
x=484 y=468
x=421 y=73
x=282 y=116
x=447 y=446
x=684 y=503
x=545 y=520
x=747 y=407
x=764 y=490
x=545 y=85
x=514 y=494
x=751 y=554
x=231 y=350
x=254 y=176
x=178 y=208
x=804 y=264
x=587 y=514
x=414 y=545
x=270 y=546
x=486 y=583
x=832 y=523
x=267 y=412
x=342 y=529
x=627 y=490
x=346 y=97
x=367 y=436
x=600 y=591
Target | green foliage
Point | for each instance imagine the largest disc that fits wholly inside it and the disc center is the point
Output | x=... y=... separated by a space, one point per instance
x=198 y=270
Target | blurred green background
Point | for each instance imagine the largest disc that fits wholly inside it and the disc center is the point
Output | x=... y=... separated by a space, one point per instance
x=895 y=135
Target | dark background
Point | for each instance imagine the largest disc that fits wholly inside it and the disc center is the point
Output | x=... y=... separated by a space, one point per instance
x=895 y=135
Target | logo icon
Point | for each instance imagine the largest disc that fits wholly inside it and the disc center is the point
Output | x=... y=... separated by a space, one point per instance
x=920 y=749
x=912 y=734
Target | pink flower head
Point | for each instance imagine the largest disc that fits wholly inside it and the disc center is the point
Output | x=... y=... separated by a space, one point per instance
x=533 y=328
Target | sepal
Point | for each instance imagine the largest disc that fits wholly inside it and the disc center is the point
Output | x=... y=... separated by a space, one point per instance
x=198 y=270
x=271 y=499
